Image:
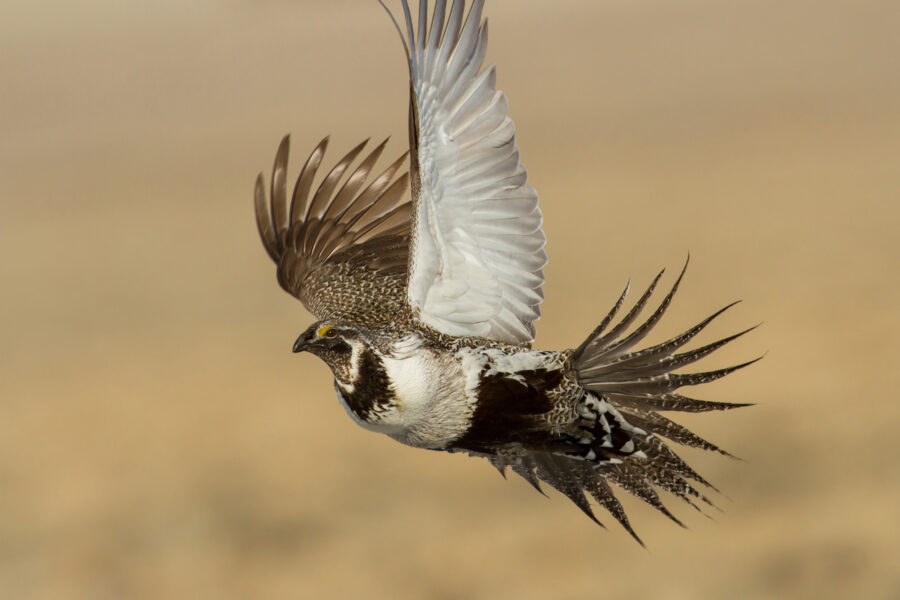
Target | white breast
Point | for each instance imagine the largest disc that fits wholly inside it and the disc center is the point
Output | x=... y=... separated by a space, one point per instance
x=432 y=409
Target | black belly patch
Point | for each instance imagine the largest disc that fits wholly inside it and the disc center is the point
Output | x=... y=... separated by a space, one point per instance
x=510 y=410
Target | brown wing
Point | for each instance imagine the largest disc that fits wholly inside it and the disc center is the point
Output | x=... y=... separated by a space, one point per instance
x=344 y=251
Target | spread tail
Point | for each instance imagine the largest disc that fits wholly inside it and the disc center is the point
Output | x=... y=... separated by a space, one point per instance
x=638 y=385
x=624 y=392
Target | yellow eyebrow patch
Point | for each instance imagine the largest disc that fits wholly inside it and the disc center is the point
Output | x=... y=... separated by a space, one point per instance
x=323 y=330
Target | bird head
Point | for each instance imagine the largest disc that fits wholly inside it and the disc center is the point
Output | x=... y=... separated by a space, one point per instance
x=335 y=343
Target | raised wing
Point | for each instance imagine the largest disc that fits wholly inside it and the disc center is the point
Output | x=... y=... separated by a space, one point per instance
x=344 y=251
x=477 y=254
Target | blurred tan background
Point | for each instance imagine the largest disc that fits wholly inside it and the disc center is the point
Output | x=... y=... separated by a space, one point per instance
x=159 y=440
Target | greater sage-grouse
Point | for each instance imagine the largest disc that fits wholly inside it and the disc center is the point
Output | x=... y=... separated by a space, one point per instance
x=426 y=307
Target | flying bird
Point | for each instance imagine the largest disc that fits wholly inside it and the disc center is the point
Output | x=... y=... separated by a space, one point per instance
x=426 y=306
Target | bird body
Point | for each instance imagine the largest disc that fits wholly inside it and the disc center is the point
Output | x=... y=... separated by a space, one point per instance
x=416 y=388
x=426 y=306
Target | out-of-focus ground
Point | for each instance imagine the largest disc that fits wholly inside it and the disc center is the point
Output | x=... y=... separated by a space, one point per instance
x=159 y=440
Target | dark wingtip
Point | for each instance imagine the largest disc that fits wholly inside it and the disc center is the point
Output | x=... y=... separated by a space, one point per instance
x=284 y=147
x=264 y=222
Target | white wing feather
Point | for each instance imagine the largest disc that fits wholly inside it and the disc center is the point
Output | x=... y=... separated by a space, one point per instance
x=478 y=249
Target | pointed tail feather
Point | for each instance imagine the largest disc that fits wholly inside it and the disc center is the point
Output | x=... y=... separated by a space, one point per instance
x=619 y=437
x=637 y=384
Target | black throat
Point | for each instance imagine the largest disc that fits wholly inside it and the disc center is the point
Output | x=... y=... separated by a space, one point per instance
x=371 y=392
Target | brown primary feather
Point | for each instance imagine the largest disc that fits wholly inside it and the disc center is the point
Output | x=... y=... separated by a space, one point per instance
x=344 y=251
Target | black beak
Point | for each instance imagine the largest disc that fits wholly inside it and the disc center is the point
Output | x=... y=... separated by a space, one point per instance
x=300 y=344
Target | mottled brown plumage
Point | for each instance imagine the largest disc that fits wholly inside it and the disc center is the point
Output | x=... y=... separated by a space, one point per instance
x=342 y=252
x=426 y=308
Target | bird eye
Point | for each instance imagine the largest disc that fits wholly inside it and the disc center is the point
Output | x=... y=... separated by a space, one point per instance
x=331 y=333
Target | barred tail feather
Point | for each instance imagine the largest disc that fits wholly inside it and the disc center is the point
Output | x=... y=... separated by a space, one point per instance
x=643 y=380
x=640 y=383
x=620 y=436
